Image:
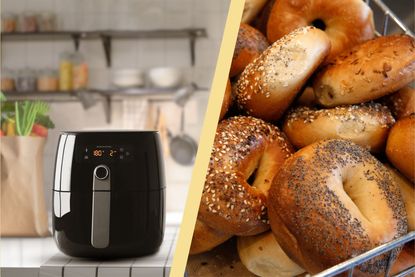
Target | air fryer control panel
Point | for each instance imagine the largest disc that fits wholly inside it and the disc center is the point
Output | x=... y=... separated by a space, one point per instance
x=106 y=153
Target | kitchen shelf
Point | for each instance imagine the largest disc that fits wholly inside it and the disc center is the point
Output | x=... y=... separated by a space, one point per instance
x=89 y=97
x=106 y=37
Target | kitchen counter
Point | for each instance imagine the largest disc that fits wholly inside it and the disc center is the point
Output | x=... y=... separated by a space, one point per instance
x=21 y=257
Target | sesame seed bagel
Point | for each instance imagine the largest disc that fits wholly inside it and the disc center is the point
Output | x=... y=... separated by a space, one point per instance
x=249 y=45
x=243 y=145
x=400 y=147
x=332 y=201
x=206 y=238
x=367 y=71
x=366 y=125
x=345 y=22
x=270 y=83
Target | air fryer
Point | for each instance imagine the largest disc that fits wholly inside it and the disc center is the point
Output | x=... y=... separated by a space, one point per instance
x=108 y=194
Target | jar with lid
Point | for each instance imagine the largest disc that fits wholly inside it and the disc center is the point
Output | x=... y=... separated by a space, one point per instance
x=47 y=80
x=29 y=22
x=26 y=80
x=7 y=79
x=46 y=22
x=8 y=22
x=65 y=71
x=80 y=71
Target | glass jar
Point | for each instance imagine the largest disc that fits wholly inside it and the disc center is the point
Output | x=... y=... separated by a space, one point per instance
x=29 y=22
x=8 y=22
x=65 y=71
x=7 y=80
x=26 y=80
x=47 y=80
x=80 y=71
x=46 y=22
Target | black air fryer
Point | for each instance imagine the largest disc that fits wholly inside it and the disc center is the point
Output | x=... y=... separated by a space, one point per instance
x=108 y=195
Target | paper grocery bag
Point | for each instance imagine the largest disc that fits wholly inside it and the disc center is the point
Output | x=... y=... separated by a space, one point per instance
x=23 y=208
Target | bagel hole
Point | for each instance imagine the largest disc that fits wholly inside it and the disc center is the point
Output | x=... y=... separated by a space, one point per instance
x=318 y=23
x=252 y=177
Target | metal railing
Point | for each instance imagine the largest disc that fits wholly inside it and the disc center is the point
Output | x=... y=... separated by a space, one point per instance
x=349 y=265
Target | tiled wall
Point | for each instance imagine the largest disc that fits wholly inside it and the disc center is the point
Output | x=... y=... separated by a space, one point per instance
x=130 y=15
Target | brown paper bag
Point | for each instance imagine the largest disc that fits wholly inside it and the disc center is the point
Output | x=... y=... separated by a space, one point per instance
x=23 y=209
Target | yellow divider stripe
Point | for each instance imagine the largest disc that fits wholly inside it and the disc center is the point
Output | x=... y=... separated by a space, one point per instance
x=207 y=136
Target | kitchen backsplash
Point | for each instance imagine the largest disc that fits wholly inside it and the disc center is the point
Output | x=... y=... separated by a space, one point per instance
x=131 y=53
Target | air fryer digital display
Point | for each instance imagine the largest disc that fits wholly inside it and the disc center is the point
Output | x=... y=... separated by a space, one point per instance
x=106 y=153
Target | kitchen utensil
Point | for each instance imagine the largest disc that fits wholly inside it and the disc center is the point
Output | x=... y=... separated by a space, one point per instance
x=183 y=148
x=183 y=94
x=165 y=77
x=109 y=194
x=127 y=78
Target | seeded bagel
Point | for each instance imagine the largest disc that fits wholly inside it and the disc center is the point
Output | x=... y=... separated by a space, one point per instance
x=332 y=201
x=270 y=83
x=244 y=146
x=367 y=71
x=366 y=125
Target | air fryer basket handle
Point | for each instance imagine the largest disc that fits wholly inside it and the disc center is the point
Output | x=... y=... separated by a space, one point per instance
x=101 y=198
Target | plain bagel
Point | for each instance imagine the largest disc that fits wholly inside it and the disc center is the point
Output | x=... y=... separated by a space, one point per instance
x=206 y=238
x=345 y=22
x=332 y=201
x=366 y=125
x=270 y=83
x=243 y=145
x=367 y=71
x=400 y=147
x=402 y=102
x=263 y=256
x=227 y=100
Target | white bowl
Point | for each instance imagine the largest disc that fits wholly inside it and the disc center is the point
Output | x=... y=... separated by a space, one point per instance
x=165 y=77
x=127 y=78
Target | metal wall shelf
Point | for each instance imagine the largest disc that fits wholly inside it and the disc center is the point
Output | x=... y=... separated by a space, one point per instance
x=92 y=96
x=106 y=37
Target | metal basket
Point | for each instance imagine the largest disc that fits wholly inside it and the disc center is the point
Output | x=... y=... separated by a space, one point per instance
x=349 y=265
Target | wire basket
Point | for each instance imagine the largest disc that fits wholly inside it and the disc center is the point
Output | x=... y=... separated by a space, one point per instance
x=348 y=266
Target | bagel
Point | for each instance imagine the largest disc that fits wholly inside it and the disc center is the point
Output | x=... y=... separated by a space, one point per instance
x=251 y=9
x=345 y=22
x=306 y=98
x=400 y=147
x=206 y=238
x=249 y=45
x=260 y=22
x=243 y=145
x=270 y=83
x=402 y=102
x=263 y=256
x=366 y=125
x=227 y=100
x=408 y=194
x=332 y=201
x=368 y=71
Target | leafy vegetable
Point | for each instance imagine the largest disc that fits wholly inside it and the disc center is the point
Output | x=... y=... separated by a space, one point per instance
x=19 y=117
x=45 y=121
x=26 y=114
